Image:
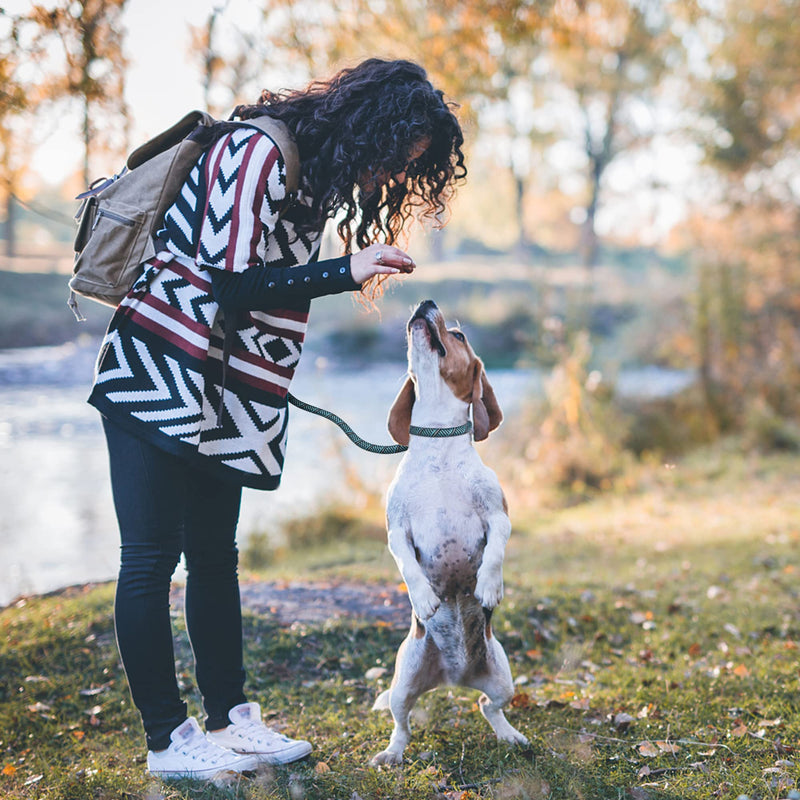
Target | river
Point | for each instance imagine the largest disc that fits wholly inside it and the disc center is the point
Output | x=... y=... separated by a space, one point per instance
x=57 y=524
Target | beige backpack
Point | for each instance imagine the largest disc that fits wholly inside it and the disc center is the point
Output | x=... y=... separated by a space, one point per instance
x=119 y=217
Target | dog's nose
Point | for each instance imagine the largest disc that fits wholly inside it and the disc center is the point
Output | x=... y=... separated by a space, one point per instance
x=423 y=308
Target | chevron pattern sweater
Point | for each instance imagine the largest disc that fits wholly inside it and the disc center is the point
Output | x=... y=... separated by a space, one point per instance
x=159 y=371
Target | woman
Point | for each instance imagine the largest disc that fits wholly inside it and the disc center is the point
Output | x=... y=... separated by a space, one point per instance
x=193 y=373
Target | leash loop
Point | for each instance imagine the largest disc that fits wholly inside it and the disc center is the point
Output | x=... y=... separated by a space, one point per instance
x=380 y=449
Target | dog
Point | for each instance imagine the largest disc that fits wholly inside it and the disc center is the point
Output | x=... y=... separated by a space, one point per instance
x=448 y=525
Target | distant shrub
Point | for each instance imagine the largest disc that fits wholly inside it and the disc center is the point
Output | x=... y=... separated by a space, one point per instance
x=669 y=425
x=328 y=526
x=766 y=431
x=578 y=445
x=331 y=525
x=258 y=552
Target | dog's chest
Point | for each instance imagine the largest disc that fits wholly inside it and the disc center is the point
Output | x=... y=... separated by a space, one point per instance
x=439 y=502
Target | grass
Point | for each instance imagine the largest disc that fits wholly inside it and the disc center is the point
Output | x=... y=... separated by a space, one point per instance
x=654 y=636
x=34 y=311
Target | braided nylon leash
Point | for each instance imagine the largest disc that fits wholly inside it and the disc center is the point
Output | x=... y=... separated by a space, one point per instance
x=381 y=449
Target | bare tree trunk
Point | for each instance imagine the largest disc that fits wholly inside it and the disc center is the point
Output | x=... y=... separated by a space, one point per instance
x=600 y=156
x=209 y=58
x=10 y=226
x=590 y=245
x=522 y=239
x=705 y=350
x=87 y=143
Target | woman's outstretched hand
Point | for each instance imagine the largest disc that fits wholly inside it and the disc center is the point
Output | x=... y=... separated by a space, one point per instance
x=379 y=259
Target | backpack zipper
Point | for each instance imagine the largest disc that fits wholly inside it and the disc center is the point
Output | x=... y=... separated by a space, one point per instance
x=104 y=212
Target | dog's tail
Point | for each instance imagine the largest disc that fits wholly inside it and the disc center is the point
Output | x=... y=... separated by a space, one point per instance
x=382 y=701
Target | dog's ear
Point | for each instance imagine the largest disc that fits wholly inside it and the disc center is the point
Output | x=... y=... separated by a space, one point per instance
x=486 y=413
x=400 y=413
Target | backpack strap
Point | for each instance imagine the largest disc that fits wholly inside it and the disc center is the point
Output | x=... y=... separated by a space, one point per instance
x=284 y=141
x=274 y=128
x=171 y=136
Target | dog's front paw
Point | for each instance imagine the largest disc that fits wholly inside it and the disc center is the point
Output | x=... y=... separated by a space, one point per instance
x=489 y=590
x=513 y=736
x=424 y=601
x=386 y=758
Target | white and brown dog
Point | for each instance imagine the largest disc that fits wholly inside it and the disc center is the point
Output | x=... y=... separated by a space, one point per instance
x=448 y=527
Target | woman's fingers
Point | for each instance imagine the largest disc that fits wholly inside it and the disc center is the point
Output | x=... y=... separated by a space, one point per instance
x=379 y=259
x=388 y=255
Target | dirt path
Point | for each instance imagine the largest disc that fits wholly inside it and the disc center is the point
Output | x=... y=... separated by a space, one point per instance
x=307 y=602
x=299 y=601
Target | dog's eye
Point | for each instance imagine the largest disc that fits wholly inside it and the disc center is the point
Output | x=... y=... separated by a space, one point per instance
x=460 y=336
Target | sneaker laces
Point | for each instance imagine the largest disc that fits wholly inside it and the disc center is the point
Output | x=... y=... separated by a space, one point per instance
x=201 y=749
x=256 y=729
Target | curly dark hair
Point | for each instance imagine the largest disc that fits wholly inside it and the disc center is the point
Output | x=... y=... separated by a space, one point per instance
x=355 y=134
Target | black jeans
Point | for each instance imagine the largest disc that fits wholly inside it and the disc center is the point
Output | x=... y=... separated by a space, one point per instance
x=166 y=507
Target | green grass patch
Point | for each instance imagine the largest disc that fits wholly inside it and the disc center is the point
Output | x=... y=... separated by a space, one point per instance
x=34 y=311
x=654 y=636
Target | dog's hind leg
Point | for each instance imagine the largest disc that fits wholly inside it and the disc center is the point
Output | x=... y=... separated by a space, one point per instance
x=417 y=670
x=497 y=686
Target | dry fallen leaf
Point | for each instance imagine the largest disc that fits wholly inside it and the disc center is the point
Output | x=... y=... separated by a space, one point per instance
x=649 y=750
x=321 y=768
x=739 y=731
x=9 y=769
x=622 y=721
x=520 y=700
x=92 y=692
x=741 y=671
x=645 y=711
x=226 y=778
x=667 y=747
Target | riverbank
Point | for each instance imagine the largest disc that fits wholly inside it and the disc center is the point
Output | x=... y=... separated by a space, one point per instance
x=509 y=309
x=653 y=637
x=59 y=526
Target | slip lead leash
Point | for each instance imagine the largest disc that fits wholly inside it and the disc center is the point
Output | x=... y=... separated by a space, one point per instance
x=381 y=449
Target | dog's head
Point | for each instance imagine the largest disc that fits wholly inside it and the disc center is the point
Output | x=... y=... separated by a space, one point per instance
x=441 y=363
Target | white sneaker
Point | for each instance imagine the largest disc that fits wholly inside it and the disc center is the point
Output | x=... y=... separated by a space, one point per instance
x=192 y=755
x=247 y=734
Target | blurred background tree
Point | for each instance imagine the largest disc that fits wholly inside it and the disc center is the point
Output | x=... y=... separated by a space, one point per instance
x=85 y=39
x=14 y=100
x=745 y=244
x=225 y=65
x=611 y=57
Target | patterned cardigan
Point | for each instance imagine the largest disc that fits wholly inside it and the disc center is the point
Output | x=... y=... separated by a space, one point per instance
x=159 y=371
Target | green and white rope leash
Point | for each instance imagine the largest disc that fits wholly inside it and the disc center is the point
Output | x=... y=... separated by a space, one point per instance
x=381 y=449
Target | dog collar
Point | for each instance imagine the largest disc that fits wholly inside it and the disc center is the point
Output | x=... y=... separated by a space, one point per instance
x=441 y=433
